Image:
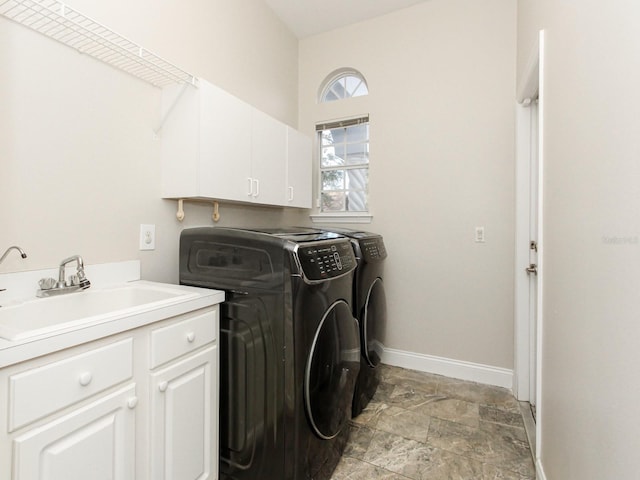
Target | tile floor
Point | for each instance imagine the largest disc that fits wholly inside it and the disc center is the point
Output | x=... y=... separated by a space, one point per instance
x=421 y=426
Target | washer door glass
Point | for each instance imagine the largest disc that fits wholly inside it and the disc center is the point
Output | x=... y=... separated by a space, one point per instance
x=332 y=369
x=374 y=321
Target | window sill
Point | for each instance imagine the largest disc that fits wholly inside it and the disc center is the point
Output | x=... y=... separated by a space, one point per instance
x=341 y=218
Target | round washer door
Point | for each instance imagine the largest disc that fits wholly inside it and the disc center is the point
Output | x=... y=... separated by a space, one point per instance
x=332 y=369
x=374 y=322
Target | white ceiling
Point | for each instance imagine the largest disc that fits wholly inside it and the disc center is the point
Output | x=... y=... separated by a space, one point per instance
x=309 y=17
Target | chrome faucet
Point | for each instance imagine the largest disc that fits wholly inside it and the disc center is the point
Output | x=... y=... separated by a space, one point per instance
x=14 y=247
x=50 y=287
x=82 y=279
x=6 y=252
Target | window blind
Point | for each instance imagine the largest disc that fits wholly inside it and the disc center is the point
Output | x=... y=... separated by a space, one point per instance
x=349 y=122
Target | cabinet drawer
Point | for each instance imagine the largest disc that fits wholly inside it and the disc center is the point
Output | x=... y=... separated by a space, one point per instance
x=41 y=391
x=183 y=337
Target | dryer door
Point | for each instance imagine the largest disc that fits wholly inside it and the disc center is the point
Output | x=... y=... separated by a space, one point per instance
x=374 y=321
x=331 y=371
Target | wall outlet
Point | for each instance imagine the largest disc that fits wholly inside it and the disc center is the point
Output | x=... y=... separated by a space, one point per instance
x=479 y=235
x=147 y=237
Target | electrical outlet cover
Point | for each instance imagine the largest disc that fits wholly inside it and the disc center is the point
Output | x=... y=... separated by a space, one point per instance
x=147 y=237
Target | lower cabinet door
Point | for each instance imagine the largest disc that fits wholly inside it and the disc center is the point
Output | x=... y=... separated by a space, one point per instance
x=97 y=442
x=183 y=426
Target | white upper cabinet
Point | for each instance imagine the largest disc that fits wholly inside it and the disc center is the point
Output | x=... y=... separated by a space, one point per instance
x=206 y=143
x=268 y=159
x=215 y=146
x=299 y=190
x=224 y=160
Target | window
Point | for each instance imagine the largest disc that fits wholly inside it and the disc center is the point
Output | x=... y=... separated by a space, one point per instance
x=344 y=165
x=343 y=83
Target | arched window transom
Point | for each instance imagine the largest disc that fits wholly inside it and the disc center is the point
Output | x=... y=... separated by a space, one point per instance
x=344 y=84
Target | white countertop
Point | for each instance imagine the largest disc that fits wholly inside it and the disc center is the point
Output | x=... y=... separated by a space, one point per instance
x=46 y=341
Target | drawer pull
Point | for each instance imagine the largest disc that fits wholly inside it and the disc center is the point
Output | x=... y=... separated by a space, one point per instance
x=162 y=386
x=191 y=336
x=85 y=379
x=132 y=402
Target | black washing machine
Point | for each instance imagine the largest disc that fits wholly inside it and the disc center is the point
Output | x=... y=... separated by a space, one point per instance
x=289 y=347
x=370 y=308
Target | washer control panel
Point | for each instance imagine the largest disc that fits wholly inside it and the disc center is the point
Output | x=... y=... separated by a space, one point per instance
x=373 y=249
x=321 y=261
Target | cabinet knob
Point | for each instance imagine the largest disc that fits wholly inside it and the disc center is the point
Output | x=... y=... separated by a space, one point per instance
x=162 y=386
x=191 y=336
x=85 y=379
x=132 y=402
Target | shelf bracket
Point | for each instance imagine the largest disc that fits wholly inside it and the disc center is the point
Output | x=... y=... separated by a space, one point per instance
x=173 y=104
x=215 y=216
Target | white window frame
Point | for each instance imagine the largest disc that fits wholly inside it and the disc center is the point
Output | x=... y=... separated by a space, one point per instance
x=338 y=76
x=343 y=216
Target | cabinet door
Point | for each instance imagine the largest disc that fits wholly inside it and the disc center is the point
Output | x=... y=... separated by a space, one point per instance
x=268 y=159
x=299 y=175
x=184 y=432
x=96 y=441
x=179 y=151
x=225 y=145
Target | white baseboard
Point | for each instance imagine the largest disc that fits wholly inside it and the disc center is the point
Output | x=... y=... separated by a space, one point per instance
x=474 y=372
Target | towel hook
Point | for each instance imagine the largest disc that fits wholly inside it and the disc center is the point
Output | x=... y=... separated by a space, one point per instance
x=215 y=216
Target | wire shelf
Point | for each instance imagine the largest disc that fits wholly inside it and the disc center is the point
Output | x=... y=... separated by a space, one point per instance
x=68 y=26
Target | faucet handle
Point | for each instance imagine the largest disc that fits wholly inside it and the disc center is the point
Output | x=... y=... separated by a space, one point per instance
x=83 y=281
x=47 y=283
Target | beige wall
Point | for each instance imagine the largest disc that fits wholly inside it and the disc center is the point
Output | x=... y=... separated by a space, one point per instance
x=441 y=105
x=590 y=387
x=79 y=164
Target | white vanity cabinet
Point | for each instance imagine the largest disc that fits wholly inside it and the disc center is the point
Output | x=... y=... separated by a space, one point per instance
x=184 y=400
x=138 y=405
x=95 y=440
x=215 y=146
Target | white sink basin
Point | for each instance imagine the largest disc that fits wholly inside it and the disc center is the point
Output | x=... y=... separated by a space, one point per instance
x=85 y=308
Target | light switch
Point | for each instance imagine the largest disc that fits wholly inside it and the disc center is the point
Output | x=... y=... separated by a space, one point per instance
x=479 y=234
x=147 y=237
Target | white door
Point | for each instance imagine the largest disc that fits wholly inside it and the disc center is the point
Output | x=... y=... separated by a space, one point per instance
x=183 y=432
x=95 y=442
x=532 y=269
x=529 y=238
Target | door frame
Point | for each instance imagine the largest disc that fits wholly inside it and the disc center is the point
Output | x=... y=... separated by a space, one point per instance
x=530 y=87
